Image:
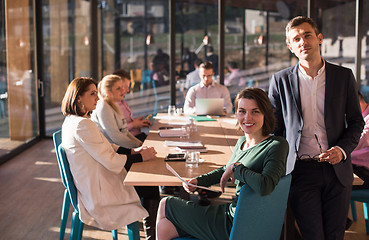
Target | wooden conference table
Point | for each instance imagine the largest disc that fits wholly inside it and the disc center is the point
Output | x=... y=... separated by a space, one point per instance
x=219 y=137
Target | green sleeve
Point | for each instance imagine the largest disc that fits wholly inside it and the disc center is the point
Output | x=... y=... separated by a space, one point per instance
x=273 y=168
x=214 y=176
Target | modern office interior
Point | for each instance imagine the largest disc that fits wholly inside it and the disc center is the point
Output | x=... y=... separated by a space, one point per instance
x=45 y=44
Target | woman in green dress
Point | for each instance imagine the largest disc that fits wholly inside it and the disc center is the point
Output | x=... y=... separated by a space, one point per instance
x=258 y=160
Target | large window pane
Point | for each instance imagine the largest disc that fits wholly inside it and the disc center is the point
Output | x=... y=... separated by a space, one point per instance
x=133 y=34
x=18 y=92
x=255 y=45
x=66 y=38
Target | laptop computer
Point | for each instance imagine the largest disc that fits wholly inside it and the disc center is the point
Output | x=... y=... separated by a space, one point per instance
x=210 y=106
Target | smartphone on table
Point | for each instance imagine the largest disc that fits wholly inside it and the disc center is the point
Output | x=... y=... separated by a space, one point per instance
x=175 y=157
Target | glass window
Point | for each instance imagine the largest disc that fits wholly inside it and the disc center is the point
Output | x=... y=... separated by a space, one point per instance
x=66 y=38
x=18 y=87
x=136 y=39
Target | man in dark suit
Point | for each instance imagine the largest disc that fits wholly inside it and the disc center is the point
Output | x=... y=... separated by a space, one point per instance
x=318 y=112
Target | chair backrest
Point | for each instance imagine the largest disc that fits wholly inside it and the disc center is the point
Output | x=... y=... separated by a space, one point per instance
x=64 y=169
x=57 y=138
x=261 y=217
x=72 y=190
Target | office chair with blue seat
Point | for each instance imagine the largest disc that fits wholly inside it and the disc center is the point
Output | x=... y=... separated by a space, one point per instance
x=260 y=217
x=361 y=195
x=70 y=196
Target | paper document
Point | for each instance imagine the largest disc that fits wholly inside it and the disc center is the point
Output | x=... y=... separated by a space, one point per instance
x=189 y=184
x=190 y=144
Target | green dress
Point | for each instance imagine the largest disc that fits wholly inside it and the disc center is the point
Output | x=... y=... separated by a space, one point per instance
x=262 y=167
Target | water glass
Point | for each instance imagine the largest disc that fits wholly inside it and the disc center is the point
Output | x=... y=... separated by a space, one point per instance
x=185 y=133
x=171 y=110
x=179 y=111
x=193 y=125
x=192 y=160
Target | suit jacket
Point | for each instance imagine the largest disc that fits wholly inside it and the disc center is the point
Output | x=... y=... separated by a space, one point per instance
x=98 y=173
x=342 y=114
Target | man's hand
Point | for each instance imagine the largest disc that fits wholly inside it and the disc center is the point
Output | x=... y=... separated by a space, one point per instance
x=332 y=156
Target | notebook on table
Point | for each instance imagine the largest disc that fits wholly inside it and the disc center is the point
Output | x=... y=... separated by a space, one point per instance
x=210 y=106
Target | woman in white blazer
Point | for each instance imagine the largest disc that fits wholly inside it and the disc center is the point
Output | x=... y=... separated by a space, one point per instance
x=98 y=170
x=107 y=115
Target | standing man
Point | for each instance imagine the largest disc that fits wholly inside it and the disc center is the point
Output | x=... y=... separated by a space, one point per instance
x=207 y=88
x=318 y=112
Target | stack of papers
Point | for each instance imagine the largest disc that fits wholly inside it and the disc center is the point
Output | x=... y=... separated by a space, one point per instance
x=187 y=146
x=172 y=132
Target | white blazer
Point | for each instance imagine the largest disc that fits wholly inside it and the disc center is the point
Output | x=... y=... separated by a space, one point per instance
x=98 y=173
x=114 y=126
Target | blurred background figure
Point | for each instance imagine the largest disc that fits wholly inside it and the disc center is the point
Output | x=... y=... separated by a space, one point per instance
x=193 y=77
x=360 y=156
x=234 y=77
x=188 y=59
x=160 y=72
x=213 y=58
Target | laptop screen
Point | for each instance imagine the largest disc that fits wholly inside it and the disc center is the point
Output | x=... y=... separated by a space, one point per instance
x=210 y=106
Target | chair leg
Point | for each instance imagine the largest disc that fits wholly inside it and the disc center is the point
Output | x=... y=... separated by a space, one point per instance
x=64 y=214
x=353 y=211
x=74 y=234
x=133 y=231
x=80 y=228
x=115 y=234
x=366 y=214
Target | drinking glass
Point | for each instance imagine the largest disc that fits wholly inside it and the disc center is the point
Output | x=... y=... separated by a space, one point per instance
x=192 y=160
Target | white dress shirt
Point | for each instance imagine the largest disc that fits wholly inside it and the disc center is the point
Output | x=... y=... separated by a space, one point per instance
x=214 y=90
x=312 y=95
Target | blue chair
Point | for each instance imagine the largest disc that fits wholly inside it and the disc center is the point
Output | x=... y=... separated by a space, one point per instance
x=361 y=195
x=70 y=196
x=260 y=217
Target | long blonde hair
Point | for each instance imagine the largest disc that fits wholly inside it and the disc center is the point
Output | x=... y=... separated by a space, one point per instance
x=105 y=86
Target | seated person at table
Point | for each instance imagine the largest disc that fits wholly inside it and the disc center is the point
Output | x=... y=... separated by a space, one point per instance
x=207 y=88
x=193 y=77
x=112 y=124
x=97 y=167
x=133 y=125
x=258 y=160
x=360 y=156
x=108 y=116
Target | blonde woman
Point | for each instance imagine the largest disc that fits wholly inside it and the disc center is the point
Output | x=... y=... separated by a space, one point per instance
x=108 y=116
x=112 y=124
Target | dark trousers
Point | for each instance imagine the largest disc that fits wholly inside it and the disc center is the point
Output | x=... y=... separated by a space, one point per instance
x=363 y=174
x=319 y=201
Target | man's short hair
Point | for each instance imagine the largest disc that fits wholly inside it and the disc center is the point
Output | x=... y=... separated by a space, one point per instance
x=232 y=64
x=206 y=65
x=296 y=21
x=123 y=74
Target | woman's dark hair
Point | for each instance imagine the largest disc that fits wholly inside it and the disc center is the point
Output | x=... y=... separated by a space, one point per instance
x=75 y=89
x=264 y=105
